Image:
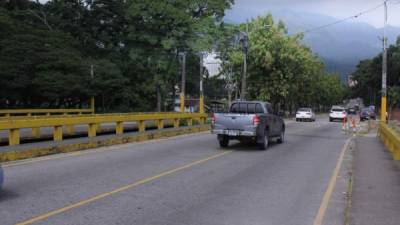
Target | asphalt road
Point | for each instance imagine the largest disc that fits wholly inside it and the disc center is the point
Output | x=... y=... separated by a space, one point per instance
x=178 y=181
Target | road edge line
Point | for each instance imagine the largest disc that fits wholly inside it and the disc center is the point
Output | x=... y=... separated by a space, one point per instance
x=318 y=220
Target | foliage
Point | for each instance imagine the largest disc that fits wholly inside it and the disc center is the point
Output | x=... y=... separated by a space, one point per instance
x=394 y=96
x=282 y=70
x=368 y=77
x=128 y=54
x=47 y=50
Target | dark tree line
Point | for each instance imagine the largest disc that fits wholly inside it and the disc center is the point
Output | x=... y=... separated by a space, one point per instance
x=48 y=52
x=127 y=53
x=368 y=78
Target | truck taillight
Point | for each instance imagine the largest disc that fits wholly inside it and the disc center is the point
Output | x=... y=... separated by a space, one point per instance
x=256 y=120
x=213 y=119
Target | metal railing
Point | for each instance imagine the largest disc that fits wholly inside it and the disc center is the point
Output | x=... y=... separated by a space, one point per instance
x=14 y=124
x=391 y=139
x=42 y=112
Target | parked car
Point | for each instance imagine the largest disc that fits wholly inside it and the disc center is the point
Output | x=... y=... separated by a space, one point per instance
x=337 y=113
x=1 y=177
x=367 y=113
x=305 y=114
x=252 y=121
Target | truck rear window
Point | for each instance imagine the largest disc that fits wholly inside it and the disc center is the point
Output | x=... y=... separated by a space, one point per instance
x=246 y=108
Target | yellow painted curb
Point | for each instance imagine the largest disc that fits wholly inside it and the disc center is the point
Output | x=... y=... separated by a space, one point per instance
x=42 y=151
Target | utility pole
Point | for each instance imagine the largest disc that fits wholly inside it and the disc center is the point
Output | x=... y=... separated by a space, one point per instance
x=384 y=68
x=230 y=85
x=182 y=96
x=201 y=104
x=92 y=98
x=245 y=43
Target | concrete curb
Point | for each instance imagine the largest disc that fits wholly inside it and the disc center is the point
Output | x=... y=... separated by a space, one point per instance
x=24 y=152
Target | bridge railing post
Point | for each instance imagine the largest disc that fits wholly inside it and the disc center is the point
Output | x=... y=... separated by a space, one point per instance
x=92 y=130
x=14 y=137
x=190 y=122
x=160 y=124
x=119 y=127
x=176 y=123
x=58 y=133
x=142 y=126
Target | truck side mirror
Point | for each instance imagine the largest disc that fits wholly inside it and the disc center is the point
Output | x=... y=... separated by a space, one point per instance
x=281 y=114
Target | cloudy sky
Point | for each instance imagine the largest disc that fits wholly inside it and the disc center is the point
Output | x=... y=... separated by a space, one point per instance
x=334 y=8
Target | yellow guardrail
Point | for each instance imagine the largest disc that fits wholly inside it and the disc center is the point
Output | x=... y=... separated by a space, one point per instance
x=391 y=139
x=14 y=124
x=44 y=112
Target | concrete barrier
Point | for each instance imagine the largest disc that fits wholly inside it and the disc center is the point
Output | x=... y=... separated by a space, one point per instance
x=391 y=139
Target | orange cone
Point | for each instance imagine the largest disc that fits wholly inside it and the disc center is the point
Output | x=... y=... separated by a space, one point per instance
x=344 y=123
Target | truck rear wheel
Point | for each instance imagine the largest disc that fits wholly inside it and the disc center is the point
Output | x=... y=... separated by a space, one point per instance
x=281 y=138
x=264 y=144
x=224 y=142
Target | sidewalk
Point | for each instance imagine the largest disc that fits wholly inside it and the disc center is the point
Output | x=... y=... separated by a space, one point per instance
x=376 y=187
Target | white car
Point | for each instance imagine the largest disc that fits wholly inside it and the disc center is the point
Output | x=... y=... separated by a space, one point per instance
x=337 y=113
x=305 y=114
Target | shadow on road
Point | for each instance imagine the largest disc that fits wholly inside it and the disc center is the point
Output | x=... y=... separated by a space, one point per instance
x=6 y=195
x=248 y=147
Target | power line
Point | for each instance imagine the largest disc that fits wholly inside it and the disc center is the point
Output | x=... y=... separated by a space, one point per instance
x=345 y=19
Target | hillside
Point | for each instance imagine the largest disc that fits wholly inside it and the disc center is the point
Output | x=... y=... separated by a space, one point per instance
x=340 y=46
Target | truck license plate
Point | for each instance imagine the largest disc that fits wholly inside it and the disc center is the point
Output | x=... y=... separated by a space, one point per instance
x=233 y=132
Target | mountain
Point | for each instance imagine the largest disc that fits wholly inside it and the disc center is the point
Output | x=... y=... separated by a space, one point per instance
x=340 y=46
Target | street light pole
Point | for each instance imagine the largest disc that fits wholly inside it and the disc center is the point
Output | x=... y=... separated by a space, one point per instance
x=201 y=104
x=245 y=39
x=92 y=98
x=244 y=77
x=245 y=43
x=384 y=69
x=182 y=96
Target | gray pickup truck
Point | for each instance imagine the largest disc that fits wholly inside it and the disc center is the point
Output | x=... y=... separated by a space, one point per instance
x=249 y=121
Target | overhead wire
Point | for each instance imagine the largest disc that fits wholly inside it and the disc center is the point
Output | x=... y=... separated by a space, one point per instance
x=343 y=20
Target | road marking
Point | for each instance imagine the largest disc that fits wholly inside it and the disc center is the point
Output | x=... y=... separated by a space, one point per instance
x=332 y=183
x=95 y=150
x=121 y=189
